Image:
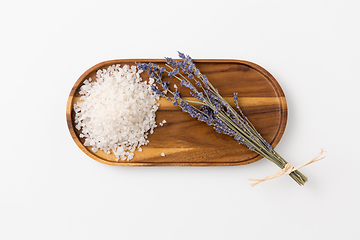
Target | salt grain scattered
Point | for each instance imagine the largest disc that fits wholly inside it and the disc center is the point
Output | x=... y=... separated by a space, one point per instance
x=162 y=123
x=162 y=154
x=117 y=111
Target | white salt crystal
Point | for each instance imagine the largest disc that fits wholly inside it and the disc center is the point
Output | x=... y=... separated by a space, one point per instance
x=162 y=154
x=117 y=113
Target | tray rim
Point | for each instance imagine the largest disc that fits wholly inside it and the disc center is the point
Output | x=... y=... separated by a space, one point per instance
x=278 y=135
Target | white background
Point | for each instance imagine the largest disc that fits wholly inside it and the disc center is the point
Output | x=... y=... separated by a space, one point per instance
x=49 y=189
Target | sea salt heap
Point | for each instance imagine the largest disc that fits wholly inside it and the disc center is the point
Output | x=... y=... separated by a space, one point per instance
x=117 y=111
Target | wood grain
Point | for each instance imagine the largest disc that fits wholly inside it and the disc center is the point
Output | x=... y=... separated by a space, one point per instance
x=188 y=142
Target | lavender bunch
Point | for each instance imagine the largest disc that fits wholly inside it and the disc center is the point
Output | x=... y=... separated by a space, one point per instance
x=211 y=108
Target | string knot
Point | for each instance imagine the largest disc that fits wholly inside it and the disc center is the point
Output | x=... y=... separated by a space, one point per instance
x=289 y=168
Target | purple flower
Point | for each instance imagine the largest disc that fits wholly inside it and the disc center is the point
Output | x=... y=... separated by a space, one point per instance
x=181 y=55
x=188 y=60
x=158 y=78
x=182 y=82
x=179 y=65
x=197 y=72
x=176 y=95
x=182 y=103
x=141 y=66
x=169 y=60
x=204 y=79
x=191 y=67
x=154 y=88
x=165 y=85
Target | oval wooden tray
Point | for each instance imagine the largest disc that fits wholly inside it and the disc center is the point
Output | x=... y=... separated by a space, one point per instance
x=188 y=142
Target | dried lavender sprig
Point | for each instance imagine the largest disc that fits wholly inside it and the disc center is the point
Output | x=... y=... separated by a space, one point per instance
x=249 y=135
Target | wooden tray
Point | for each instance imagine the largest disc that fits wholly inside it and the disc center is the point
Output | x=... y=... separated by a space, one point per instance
x=188 y=142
